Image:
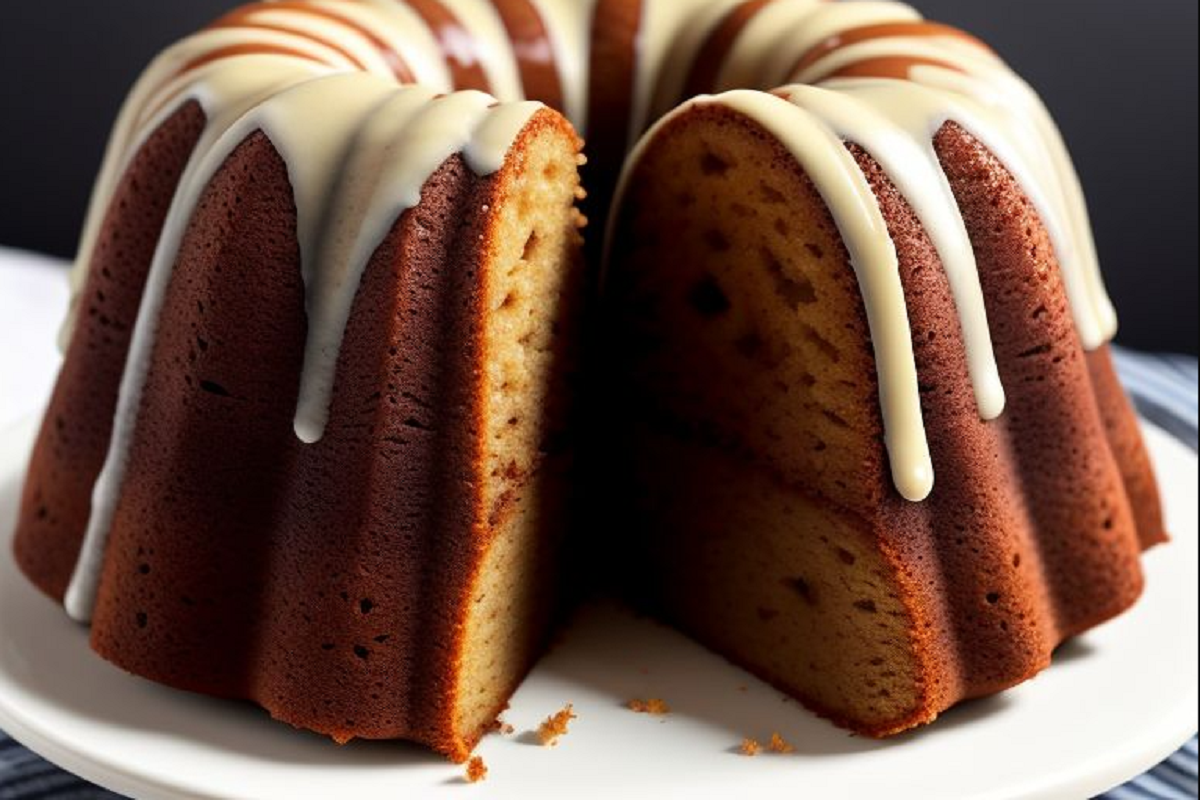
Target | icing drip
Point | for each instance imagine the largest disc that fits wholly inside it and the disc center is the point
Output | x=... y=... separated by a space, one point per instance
x=341 y=137
x=822 y=154
x=405 y=32
x=1012 y=119
x=390 y=160
x=569 y=25
x=255 y=62
x=845 y=38
x=347 y=41
x=243 y=82
x=901 y=141
x=828 y=22
x=683 y=53
x=1062 y=198
x=896 y=122
x=490 y=43
x=661 y=23
x=533 y=51
x=768 y=46
x=768 y=29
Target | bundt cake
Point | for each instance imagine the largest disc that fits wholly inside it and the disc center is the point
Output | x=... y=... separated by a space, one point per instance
x=317 y=423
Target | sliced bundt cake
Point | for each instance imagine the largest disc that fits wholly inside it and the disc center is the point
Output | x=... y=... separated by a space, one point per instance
x=312 y=439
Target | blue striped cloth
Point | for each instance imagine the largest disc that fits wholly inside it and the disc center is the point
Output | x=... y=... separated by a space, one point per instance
x=1164 y=388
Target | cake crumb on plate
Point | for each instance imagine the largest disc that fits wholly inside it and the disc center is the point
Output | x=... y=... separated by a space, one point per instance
x=751 y=747
x=780 y=745
x=476 y=770
x=556 y=726
x=654 y=706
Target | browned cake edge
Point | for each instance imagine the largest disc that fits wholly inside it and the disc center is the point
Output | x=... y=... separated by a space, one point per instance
x=73 y=441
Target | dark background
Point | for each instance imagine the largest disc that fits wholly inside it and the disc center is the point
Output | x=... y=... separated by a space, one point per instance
x=1120 y=75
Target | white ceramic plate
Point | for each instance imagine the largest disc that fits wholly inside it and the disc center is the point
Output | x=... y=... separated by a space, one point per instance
x=1119 y=701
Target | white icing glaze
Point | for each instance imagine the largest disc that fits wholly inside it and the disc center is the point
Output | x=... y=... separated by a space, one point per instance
x=887 y=122
x=661 y=23
x=827 y=20
x=408 y=35
x=1011 y=118
x=769 y=29
x=672 y=78
x=491 y=45
x=222 y=118
x=931 y=47
x=836 y=175
x=569 y=26
x=390 y=160
x=226 y=87
x=824 y=158
x=487 y=150
x=344 y=38
x=896 y=122
x=357 y=144
x=214 y=39
x=325 y=129
x=1054 y=183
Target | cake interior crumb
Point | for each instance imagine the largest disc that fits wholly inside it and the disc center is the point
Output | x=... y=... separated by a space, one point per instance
x=654 y=706
x=476 y=770
x=556 y=726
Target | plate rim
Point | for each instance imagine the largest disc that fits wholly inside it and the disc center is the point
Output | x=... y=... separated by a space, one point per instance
x=1099 y=775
